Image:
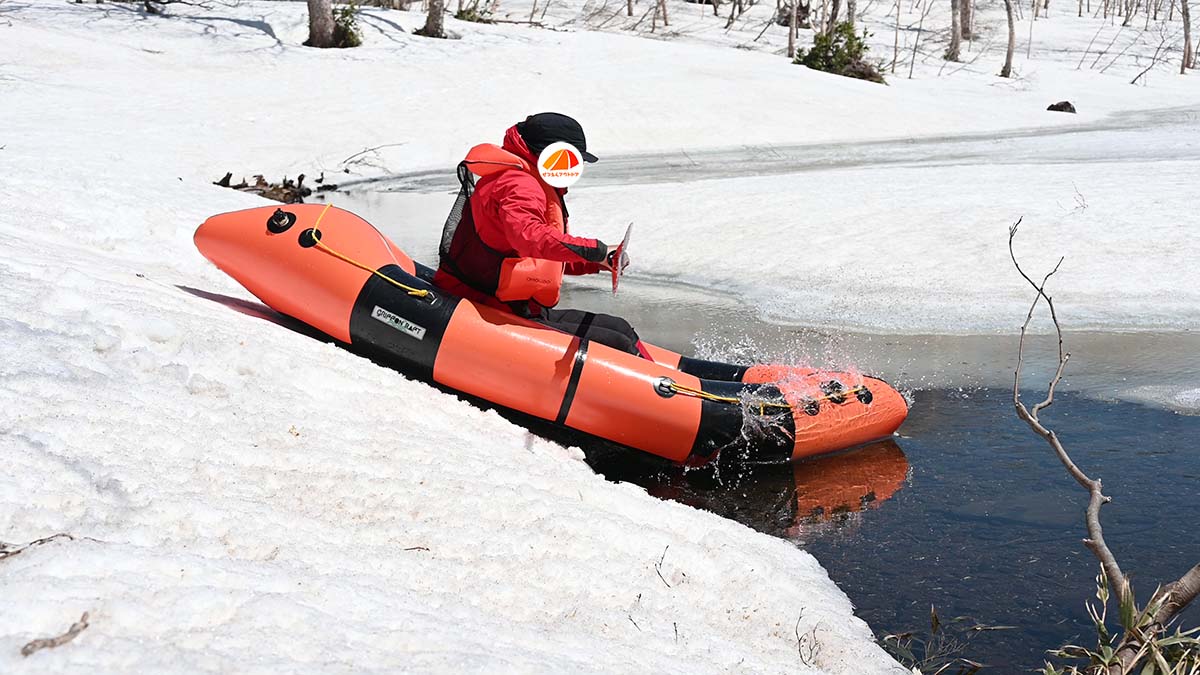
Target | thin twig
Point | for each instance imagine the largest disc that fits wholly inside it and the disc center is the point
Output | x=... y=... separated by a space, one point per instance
x=365 y=151
x=8 y=551
x=50 y=643
x=658 y=566
x=1153 y=59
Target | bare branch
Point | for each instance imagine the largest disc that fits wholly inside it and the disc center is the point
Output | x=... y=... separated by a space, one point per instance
x=50 y=643
x=8 y=551
x=1153 y=59
x=1181 y=592
x=1095 y=541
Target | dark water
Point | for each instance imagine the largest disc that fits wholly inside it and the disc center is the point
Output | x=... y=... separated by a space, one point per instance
x=970 y=512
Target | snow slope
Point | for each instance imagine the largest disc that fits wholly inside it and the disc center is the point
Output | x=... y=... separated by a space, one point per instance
x=248 y=499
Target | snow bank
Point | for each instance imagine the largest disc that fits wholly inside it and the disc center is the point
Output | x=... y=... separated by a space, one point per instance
x=245 y=498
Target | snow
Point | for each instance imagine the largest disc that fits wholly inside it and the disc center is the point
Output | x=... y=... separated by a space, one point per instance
x=246 y=498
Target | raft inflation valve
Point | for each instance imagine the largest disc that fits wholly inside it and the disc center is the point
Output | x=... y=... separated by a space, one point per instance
x=665 y=387
x=865 y=396
x=280 y=221
x=310 y=237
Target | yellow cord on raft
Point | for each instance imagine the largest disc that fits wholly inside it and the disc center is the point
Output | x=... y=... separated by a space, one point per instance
x=762 y=405
x=316 y=235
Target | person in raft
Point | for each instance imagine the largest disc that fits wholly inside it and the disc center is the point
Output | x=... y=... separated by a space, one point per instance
x=506 y=243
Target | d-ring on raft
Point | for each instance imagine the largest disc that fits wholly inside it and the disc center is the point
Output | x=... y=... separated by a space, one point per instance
x=335 y=272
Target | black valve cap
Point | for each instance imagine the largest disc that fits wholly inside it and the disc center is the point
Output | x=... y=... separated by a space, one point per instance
x=280 y=221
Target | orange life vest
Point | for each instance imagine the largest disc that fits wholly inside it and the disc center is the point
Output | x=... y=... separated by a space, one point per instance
x=519 y=278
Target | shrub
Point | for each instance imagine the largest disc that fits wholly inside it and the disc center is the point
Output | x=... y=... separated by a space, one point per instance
x=345 y=26
x=474 y=13
x=841 y=52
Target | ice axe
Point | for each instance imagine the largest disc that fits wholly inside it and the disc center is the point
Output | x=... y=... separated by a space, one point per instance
x=618 y=260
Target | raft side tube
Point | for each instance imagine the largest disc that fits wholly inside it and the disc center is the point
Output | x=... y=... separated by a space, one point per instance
x=538 y=370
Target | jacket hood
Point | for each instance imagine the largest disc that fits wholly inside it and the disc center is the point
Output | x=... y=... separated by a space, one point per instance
x=516 y=145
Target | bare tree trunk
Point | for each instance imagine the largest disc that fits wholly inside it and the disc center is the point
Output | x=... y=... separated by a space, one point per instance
x=434 y=20
x=917 y=41
x=955 y=31
x=851 y=12
x=320 y=23
x=1006 y=71
x=834 y=7
x=663 y=5
x=966 y=18
x=1032 y=18
x=896 y=39
x=628 y=7
x=792 y=30
x=1188 y=55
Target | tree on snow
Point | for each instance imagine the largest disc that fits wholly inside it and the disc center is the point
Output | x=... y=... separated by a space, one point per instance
x=320 y=23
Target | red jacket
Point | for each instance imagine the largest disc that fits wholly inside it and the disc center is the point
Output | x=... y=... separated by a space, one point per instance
x=509 y=211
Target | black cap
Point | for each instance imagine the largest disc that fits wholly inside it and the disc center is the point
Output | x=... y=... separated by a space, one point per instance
x=542 y=129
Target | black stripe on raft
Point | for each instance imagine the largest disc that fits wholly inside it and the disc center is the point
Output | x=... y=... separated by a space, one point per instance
x=712 y=370
x=573 y=383
x=744 y=431
x=398 y=329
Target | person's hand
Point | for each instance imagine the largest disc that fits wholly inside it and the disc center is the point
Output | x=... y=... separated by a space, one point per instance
x=611 y=263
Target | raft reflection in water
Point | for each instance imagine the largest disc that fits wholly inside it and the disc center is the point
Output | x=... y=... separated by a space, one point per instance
x=785 y=500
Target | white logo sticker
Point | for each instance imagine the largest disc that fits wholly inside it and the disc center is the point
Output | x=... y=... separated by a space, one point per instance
x=399 y=323
x=560 y=165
